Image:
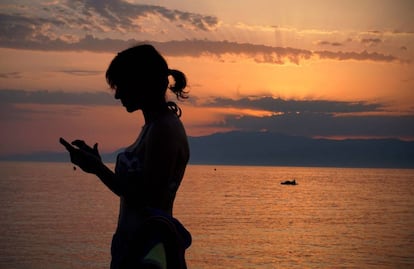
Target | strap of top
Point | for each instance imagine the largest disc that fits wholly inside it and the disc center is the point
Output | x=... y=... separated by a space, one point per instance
x=134 y=147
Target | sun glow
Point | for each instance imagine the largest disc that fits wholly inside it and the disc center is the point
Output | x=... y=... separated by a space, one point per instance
x=329 y=51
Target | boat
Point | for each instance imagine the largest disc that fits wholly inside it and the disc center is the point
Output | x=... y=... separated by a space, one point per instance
x=289 y=182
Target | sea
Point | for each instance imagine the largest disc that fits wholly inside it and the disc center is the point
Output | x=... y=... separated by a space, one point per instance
x=52 y=216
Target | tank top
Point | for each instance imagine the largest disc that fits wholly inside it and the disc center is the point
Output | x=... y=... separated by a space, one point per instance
x=130 y=161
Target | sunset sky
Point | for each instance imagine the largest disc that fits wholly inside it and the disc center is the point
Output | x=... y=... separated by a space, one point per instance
x=322 y=68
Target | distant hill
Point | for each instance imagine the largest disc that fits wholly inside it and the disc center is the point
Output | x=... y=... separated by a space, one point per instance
x=264 y=148
x=51 y=157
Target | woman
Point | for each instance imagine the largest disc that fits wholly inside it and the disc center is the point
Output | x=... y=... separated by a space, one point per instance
x=148 y=173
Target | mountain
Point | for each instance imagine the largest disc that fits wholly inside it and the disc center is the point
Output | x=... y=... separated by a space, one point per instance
x=265 y=148
x=47 y=156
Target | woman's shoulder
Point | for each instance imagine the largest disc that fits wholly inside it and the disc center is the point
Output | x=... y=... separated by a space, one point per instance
x=167 y=122
x=167 y=127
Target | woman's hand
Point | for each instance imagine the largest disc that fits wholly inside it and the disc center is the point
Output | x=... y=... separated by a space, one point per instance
x=84 y=156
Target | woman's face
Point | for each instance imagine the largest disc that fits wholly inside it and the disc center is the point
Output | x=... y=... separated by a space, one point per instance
x=130 y=97
x=140 y=92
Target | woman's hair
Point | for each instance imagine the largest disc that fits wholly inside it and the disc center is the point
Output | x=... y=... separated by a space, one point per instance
x=145 y=63
x=180 y=82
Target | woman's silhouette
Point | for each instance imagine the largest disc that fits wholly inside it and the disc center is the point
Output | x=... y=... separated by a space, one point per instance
x=148 y=173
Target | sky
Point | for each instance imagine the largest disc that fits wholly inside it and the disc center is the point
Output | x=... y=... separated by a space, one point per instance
x=323 y=68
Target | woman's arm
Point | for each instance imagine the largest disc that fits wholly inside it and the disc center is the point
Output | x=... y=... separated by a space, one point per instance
x=109 y=178
x=89 y=160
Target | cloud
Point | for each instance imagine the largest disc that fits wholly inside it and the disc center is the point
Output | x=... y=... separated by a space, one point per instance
x=371 y=41
x=359 y=56
x=263 y=53
x=326 y=125
x=116 y=25
x=328 y=43
x=219 y=49
x=296 y=106
x=11 y=75
x=264 y=103
x=20 y=28
x=197 y=48
x=78 y=72
x=50 y=21
x=11 y=97
x=121 y=14
x=314 y=118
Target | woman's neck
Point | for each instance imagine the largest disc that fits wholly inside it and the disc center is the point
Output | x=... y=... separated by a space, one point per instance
x=153 y=112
